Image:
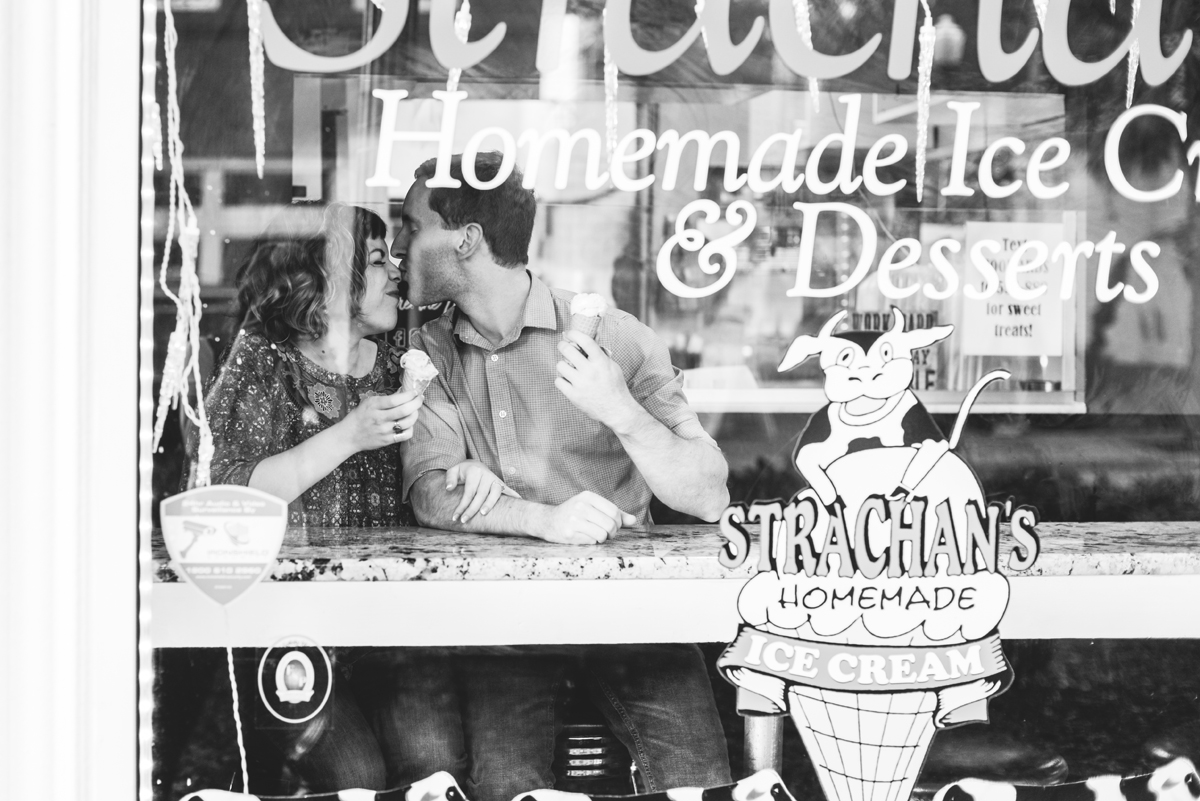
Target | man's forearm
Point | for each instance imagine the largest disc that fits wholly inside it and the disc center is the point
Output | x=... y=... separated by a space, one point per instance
x=687 y=475
x=435 y=506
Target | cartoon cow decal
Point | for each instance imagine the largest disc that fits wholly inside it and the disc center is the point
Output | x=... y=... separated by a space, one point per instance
x=867 y=379
x=878 y=578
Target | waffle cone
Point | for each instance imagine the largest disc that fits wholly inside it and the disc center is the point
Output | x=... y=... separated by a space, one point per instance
x=410 y=383
x=585 y=324
x=864 y=746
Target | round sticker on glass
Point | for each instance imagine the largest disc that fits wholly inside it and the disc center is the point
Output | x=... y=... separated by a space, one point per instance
x=295 y=679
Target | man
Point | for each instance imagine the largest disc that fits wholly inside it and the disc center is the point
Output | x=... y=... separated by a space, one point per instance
x=585 y=431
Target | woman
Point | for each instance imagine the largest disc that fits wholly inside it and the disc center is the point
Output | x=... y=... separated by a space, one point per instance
x=306 y=409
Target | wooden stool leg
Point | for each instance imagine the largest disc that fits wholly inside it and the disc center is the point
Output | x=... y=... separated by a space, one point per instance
x=763 y=745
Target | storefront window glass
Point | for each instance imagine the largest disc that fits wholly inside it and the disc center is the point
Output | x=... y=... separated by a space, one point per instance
x=811 y=187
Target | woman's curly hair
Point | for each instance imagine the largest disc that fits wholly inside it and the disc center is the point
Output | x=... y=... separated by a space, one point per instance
x=293 y=271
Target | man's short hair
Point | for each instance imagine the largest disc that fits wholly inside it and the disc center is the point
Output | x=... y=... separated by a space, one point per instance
x=505 y=213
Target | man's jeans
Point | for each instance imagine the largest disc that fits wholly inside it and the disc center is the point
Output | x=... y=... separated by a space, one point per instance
x=656 y=698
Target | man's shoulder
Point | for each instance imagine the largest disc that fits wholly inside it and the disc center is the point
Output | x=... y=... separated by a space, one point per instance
x=628 y=328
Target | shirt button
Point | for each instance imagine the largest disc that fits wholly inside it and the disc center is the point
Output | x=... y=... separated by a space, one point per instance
x=503 y=414
x=495 y=357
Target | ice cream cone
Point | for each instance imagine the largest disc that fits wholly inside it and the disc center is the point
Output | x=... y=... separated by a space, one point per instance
x=864 y=746
x=585 y=324
x=586 y=312
x=412 y=383
x=419 y=371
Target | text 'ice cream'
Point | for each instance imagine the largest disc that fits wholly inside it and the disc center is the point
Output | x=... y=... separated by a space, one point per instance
x=873 y=618
x=874 y=627
x=419 y=371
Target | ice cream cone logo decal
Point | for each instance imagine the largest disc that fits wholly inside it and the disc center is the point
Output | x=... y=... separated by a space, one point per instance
x=873 y=618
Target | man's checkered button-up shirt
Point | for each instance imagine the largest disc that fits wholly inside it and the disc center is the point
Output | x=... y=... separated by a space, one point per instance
x=500 y=406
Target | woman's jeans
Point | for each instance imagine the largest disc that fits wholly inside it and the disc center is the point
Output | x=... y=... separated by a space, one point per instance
x=394 y=721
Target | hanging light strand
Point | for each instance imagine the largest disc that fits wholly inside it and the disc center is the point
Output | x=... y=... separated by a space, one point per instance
x=804 y=25
x=237 y=718
x=156 y=135
x=257 y=89
x=1134 y=55
x=462 y=30
x=611 y=88
x=182 y=366
x=927 y=38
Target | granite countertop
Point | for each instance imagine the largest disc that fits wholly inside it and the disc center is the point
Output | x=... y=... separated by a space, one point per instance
x=669 y=552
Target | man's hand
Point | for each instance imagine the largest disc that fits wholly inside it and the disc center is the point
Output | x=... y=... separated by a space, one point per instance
x=586 y=519
x=481 y=489
x=592 y=381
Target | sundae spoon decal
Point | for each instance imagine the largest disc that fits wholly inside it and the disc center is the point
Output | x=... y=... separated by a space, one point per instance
x=873 y=618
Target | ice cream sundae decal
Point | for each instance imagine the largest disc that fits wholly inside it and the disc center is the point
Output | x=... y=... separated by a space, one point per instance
x=873 y=618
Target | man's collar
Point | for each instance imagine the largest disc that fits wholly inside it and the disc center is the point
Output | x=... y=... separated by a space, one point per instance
x=539 y=307
x=538 y=313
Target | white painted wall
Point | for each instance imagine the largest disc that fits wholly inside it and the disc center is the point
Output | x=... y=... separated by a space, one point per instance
x=68 y=398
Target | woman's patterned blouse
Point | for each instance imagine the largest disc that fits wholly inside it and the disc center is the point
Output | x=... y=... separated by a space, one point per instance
x=269 y=398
